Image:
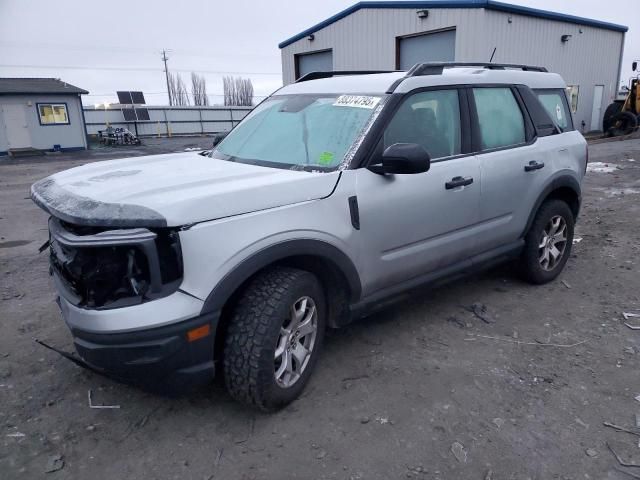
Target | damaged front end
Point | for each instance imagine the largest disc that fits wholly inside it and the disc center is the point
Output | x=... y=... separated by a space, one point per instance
x=104 y=268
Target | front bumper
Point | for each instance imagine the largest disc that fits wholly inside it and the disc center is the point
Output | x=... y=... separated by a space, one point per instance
x=162 y=358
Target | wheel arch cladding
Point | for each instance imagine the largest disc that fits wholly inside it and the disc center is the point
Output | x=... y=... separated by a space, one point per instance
x=565 y=188
x=334 y=269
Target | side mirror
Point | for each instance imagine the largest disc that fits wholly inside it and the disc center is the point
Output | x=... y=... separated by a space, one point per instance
x=218 y=137
x=403 y=158
x=634 y=65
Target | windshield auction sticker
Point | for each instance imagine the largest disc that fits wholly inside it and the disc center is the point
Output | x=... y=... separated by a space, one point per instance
x=359 y=101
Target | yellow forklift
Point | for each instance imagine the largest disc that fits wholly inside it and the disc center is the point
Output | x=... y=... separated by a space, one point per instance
x=622 y=117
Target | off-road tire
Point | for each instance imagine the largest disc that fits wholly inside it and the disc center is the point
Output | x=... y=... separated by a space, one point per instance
x=612 y=110
x=623 y=123
x=530 y=265
x=254 y=328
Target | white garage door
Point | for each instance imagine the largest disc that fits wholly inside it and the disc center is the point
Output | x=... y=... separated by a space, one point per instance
x=314 y=62
x=431 y=47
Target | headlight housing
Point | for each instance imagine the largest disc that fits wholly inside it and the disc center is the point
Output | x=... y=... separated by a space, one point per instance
x=108 y=268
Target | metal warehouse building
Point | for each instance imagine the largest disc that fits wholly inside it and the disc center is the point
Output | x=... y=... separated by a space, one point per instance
x=397 y=35
x=39 y=114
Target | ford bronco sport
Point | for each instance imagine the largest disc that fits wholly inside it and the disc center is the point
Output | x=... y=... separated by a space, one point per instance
x=336 y=193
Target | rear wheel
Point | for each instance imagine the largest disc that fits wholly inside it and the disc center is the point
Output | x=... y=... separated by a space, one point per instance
x=548 y=242
x=274 y=338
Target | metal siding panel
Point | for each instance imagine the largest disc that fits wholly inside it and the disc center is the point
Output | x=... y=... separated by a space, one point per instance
x=366 y=40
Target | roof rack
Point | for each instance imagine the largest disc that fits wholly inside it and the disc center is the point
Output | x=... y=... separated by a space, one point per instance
x=436 y=68
x=335 y=73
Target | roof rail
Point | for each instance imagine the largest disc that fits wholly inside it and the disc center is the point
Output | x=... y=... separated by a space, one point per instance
x=436 y=68
x=335 y=73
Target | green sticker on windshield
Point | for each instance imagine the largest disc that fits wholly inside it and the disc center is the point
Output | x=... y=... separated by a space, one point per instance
x=326 y=158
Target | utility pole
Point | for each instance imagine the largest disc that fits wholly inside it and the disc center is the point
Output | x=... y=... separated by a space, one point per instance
x=166 y=73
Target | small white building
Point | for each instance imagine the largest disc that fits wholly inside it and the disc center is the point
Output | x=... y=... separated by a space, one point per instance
x=391 y=35
x=40 y=114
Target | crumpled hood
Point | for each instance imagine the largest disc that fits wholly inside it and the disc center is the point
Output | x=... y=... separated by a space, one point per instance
x=172 y=190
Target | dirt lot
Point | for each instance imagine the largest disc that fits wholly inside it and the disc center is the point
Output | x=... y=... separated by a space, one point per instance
x=393 y=393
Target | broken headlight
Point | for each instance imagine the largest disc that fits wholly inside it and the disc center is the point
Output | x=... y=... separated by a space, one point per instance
x=101 y=268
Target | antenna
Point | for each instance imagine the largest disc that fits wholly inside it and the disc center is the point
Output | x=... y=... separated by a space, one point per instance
x=494 y=52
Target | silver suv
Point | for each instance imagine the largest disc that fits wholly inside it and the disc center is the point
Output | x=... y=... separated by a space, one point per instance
x=335 y=194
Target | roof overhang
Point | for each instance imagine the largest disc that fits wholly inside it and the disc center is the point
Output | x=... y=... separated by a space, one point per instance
x=487 y=4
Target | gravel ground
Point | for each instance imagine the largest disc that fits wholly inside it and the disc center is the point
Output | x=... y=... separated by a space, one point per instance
x=424 y=389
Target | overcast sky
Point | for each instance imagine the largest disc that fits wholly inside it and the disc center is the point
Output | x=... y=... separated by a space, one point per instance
x=116 y=45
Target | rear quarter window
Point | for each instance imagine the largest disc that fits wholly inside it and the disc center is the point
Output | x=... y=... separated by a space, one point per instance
x=555 y=103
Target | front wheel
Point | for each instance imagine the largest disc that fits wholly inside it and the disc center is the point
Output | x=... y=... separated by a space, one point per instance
x=548 y=242
x=274 y=338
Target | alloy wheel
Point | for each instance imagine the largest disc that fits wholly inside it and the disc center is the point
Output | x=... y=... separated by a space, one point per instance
x=553 y=243
x=295 y=342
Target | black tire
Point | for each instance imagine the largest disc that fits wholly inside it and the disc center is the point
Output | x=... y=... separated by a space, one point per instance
x=623 y=123
x=254 y=330
x=612 y=110
x=530 y=261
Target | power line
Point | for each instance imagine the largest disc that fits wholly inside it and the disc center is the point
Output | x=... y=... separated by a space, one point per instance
x=138 y=69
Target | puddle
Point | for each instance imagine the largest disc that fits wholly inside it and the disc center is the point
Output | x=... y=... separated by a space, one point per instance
x=601 y=167
x=14 y=243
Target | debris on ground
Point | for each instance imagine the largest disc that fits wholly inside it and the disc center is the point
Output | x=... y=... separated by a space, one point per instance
x=628 y=315
x=459 y=452
x=565 y=283
x=55 y=463
x=480 y=311
x=591 y=452
x=537 y=344
x=91 y=405
x=365 y=419
x=629 y=462
x=382 y=420
x=498 y=422
x=16 y=435
x=623 y=429
x=457 y=321
x=577 y=240
x=581 y=423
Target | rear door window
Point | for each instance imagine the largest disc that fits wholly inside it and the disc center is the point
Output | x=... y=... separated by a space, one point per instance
x=499 y=116
x=555 y=103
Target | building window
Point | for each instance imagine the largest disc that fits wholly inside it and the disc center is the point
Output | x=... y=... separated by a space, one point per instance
x=53 y=114
x=572 y=93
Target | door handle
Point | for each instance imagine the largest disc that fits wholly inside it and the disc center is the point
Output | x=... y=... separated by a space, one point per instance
x=456 y=182
x=533 y=165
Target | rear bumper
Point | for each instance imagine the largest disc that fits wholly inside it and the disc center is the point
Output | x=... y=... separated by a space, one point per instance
x=160 y=358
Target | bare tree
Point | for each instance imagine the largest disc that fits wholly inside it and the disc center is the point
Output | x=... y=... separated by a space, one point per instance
x=177 y=90
x=199 y=89
x=237 y=91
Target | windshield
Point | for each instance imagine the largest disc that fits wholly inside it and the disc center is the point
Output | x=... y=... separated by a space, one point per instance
x=309 y=132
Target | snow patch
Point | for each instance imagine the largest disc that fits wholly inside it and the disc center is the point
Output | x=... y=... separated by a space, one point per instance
x=601 y=167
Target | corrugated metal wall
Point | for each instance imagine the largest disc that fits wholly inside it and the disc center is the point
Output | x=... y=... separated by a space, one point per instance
x=177 y=120
x=366 y=39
